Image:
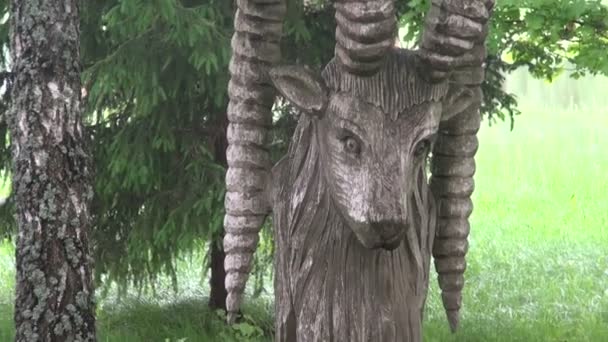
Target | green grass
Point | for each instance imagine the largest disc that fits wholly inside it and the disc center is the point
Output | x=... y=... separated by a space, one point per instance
x=160 y=316
x=7 y=273
x=538 y=261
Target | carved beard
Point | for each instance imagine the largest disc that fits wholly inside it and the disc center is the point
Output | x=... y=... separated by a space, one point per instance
x=329 y=287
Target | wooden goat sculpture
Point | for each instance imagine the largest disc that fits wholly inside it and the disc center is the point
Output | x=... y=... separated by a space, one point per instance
x=355 y=220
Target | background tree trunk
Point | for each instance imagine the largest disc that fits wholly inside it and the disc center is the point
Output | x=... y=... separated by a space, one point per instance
x=218 y=293
x=51 y=175
x=217 y=284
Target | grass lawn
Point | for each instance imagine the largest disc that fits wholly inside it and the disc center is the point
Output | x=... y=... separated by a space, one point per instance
x=7 y=272
x=538 y=261
x=163 y=316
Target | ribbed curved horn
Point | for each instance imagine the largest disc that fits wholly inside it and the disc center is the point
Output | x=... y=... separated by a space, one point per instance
x=453 y=168
x=453 y=50
x=451 y=29
x=366 y=32
x=255 y=45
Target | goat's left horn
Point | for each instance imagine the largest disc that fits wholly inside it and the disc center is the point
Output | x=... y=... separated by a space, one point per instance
x=255 y=45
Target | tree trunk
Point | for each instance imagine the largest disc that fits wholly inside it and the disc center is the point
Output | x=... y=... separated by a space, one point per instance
x=51 y=175
x=218 y=293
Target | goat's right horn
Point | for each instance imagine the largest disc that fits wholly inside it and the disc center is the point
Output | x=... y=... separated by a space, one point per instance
x=366 y=32
x=453 y=51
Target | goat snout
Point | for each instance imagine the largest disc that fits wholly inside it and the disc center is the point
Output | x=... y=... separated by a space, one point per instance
x=391 y=232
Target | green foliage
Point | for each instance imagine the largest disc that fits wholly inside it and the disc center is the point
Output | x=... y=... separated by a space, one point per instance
x=156 y=80
x=538 y=259
x=156 y=76
x=7 y=222
x=155 y=72
x=248 y=329
x=546 y=36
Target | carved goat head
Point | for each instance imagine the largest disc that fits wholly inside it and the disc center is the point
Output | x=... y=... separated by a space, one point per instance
x=369 y=155
x=377 y=111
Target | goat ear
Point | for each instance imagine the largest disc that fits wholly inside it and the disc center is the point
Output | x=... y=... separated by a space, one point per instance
x=302 y=87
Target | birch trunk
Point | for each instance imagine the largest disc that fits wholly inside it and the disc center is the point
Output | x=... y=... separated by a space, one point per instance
x=51 y=175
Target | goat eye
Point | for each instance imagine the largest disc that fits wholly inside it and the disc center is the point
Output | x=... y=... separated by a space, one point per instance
x=422 y=148
x=351 y=145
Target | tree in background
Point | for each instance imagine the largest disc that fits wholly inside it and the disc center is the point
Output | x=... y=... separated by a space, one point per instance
x=157 y=103
x=52 y=175
x=155 y=73
x=156 y=111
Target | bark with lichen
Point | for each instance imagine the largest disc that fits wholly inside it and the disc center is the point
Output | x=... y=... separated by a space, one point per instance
x=51 y=175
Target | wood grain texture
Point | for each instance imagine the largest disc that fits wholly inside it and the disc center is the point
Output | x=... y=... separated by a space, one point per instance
x=354 y=218
x=366 y=31
x=255 y=45
x=328 y=286
x=453 y=168
x=452 y=27
x=453 y=48
x=354 y=228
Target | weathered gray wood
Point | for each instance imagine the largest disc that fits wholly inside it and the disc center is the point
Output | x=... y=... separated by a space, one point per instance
x=353 y=215
x=255 y=46
x=453 y=168
x=51 y=175
x=365 y=33
x=354 y=218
